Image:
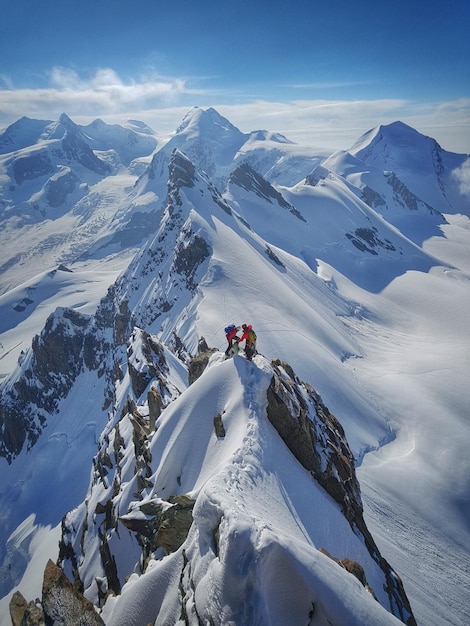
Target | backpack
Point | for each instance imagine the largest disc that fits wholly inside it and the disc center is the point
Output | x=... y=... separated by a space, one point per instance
x=252 y=336
x=227 y=329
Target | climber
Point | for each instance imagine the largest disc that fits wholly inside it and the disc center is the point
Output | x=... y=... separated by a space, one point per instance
x=249 y=336
x=231 y=335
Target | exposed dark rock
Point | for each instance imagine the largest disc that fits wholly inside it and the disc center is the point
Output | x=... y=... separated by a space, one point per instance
x=199 y=362
x=406 y=197
x=189 y=255
x=159 y=525
x=57 y=359
x=273 y=256
x=63 y=605
x=354 y=568
x=18 y=606
x=372 y=198
x=25 y=613
x=59 y=187
x=294 y=428
x=246 y=177
x=74 y=147
x=366 y=239
x=155 y=405
x=33 y=615
x=219 y=426
x=181 y=170
x=22 y=305
x=175 y=524
x=122 y=321
x=146 y=526
x=318 y=174
x=109 y=565
x=154 y=366
x=33 y=166
x=317 y=440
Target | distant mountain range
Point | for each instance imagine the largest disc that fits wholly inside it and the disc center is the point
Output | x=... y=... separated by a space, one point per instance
x=172 y=485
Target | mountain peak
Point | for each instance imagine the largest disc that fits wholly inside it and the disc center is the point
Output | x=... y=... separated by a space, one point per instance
x=397 y=136
x=181 y=170
x=208 y=122
x=66 y=121
x=263 y=135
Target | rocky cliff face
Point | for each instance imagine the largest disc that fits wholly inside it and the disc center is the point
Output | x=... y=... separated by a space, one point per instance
x=45 y=377
x=317 y=440
x=60 y=604
x=71 y=343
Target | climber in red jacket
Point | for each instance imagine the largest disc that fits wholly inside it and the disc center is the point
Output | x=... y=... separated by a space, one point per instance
x=231 y=335
x=249 y=336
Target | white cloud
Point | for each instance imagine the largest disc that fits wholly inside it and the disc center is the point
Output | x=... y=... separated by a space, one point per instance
x=462 y=175
x=161 y=102
x=101 y=94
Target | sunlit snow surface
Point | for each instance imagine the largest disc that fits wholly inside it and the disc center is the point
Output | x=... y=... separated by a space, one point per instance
x=386 y=346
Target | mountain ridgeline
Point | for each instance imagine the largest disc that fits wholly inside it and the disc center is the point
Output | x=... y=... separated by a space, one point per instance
x=221 y=491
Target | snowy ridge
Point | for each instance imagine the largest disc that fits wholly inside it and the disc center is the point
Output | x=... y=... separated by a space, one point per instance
x=225 y=478
x=347 y=268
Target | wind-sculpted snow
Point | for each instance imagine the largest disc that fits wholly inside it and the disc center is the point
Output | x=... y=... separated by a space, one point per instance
x=353 y=269
x=251 y=538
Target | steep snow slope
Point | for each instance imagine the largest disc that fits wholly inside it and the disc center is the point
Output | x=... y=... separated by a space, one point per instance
x=250 y=557
x=25 y=309
x=388 y=352
x=419 y=161
x=61 y=185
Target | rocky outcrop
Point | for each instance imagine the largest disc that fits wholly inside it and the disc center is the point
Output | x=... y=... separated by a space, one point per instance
x=60 y=186
x=146 y=361
x=123 y=464
x=317 y=440
x=56 y=358
x=189 y=254
x=354 y=568
x=69 y=343
x=219 y=426
x=61 y=604
x=405 y=197
x=32 y=166
x=199 y=362
x=244 y=176
x=314 y=436
x=367 y=239
x=155 y=405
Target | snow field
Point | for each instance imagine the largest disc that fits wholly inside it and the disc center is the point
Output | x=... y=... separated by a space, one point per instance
x=253 y=536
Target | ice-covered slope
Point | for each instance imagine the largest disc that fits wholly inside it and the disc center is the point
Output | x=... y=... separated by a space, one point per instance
x=169 y=285
x=418 y=161
x=252 y=552
x=324 y=220
x=62 y=185
x=388 y=353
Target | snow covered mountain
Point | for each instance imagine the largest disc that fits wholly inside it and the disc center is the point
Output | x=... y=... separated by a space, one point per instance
x=201 y=490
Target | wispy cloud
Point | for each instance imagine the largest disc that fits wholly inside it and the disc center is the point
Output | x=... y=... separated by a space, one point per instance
x=462 y=175
x=338 y=123
x=105 y=92
x=328 y=84
x=161 y=102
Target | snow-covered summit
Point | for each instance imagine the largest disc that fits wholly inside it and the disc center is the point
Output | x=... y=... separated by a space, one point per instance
x=418 y=161
x=207 y=122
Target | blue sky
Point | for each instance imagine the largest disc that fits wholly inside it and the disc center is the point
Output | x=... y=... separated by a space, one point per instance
x=322 y=72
